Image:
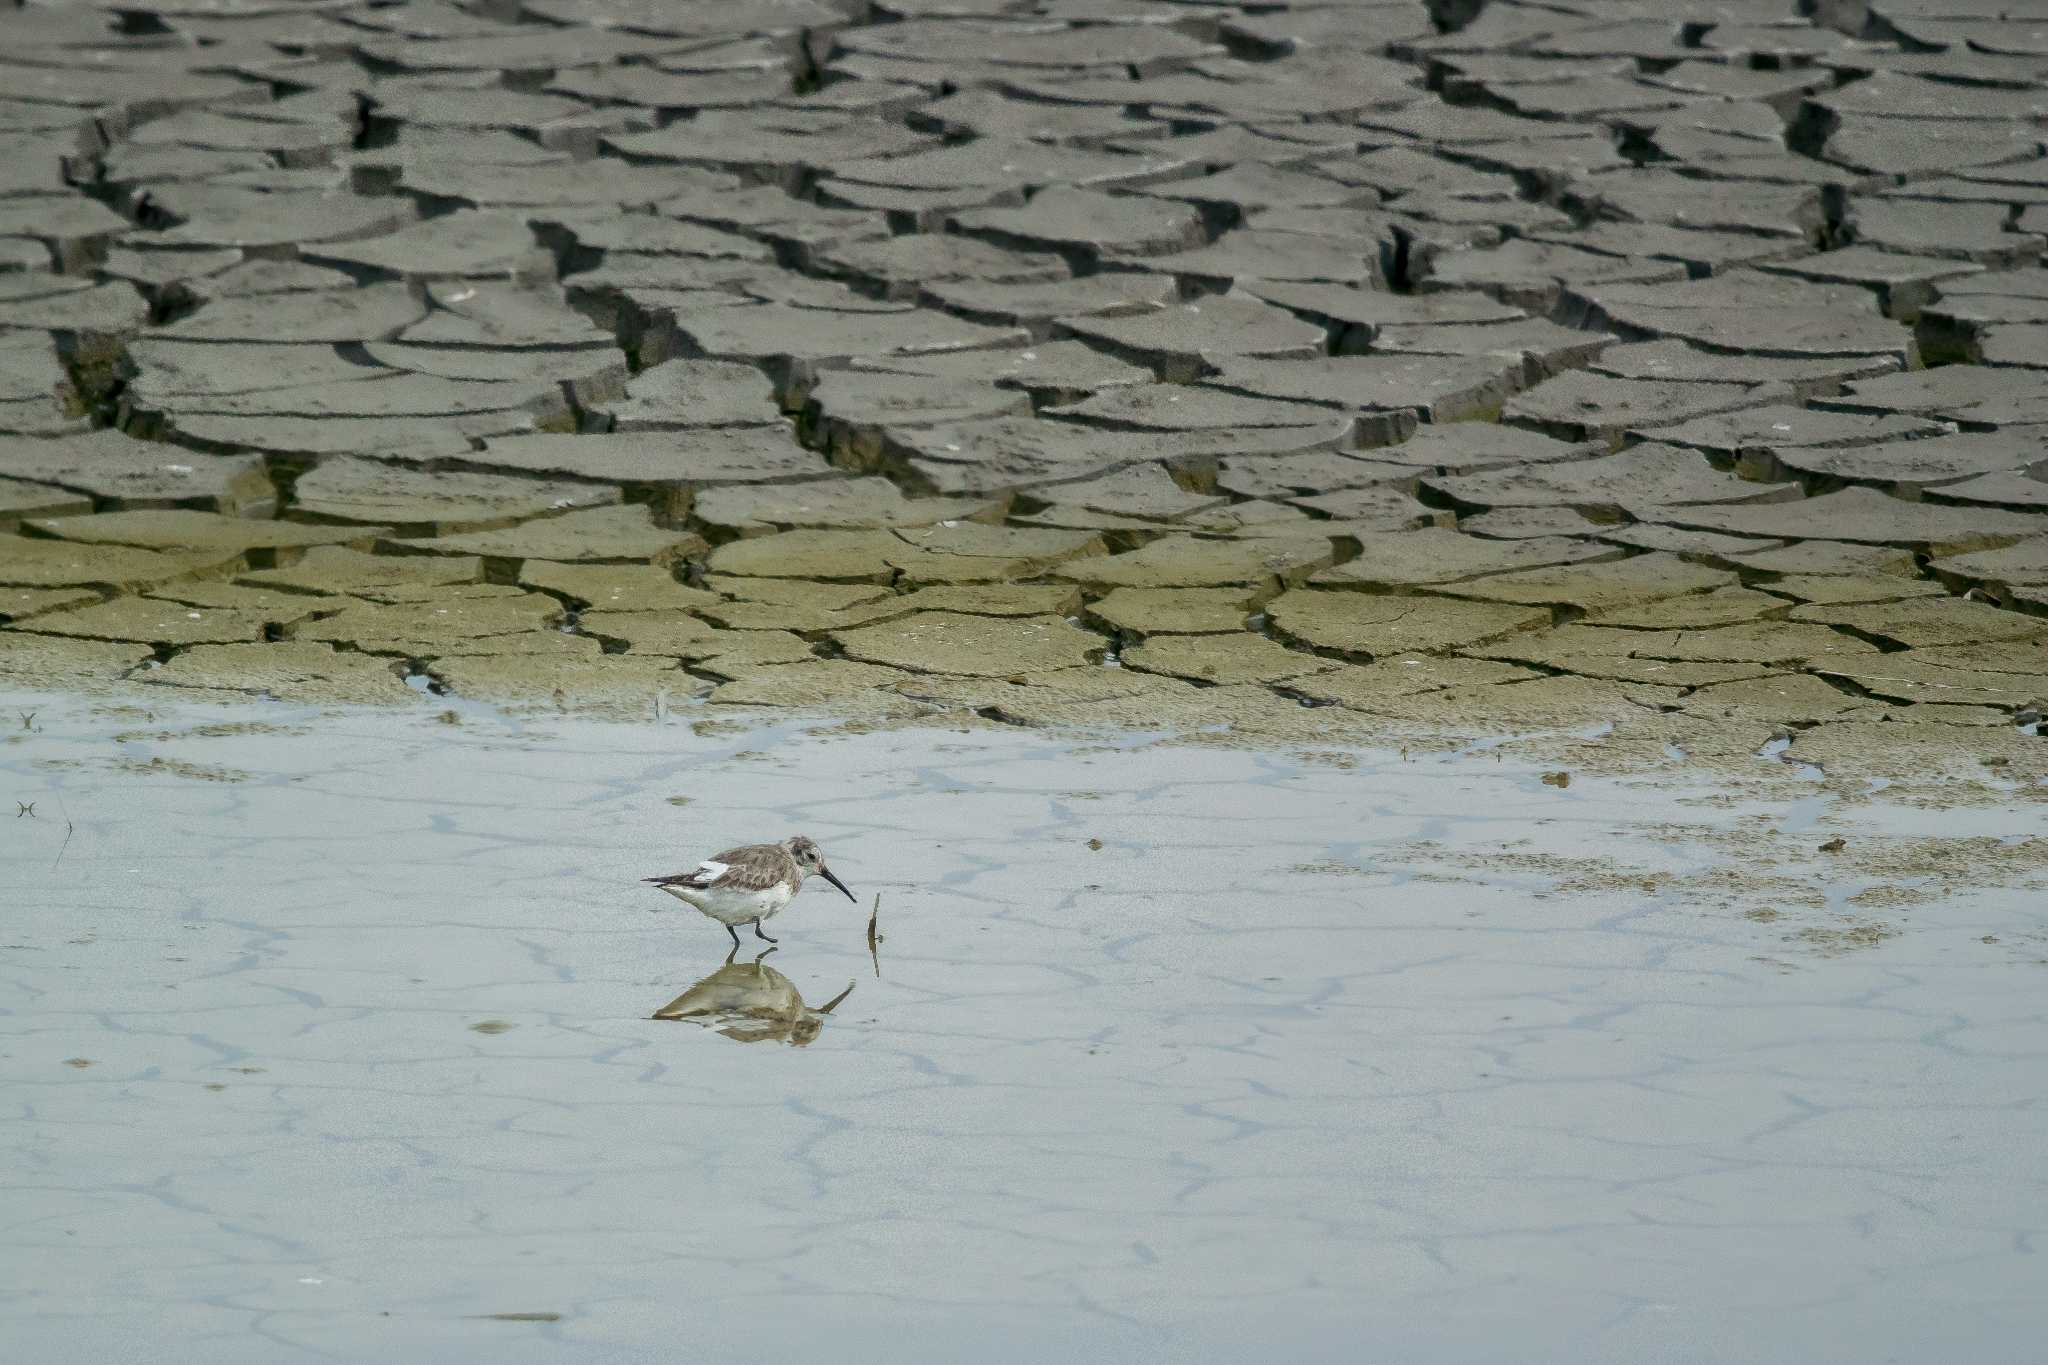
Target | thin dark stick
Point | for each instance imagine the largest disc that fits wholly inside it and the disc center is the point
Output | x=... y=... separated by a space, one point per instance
x=69 y=828
x=873 y=955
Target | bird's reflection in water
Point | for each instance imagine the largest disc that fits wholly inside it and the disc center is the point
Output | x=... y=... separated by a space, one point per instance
x=751 y=1002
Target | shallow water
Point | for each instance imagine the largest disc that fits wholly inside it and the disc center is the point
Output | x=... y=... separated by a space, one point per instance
x=330 y=1039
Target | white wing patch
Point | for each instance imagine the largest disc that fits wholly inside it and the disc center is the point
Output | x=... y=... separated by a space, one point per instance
x=709 y=871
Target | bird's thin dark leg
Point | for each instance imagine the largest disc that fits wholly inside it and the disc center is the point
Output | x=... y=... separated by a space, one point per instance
x=735 y=936
x=758 y=934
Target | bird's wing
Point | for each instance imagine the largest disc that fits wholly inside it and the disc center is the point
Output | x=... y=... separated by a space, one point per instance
x=750 y=869
x=704 y=874
x=754 y=868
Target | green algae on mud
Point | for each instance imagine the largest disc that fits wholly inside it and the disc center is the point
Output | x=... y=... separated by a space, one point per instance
x=1612 y=714
x=1248 y=622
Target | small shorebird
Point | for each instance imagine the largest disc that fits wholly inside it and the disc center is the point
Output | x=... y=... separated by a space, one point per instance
x=750 y=884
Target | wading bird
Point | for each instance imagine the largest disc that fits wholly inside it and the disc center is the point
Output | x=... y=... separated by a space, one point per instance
x=750 y=884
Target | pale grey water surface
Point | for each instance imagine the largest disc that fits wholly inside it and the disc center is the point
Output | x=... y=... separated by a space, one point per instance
x=328 y=1038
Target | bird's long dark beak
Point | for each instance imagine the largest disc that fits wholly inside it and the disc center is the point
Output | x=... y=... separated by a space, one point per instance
x=826 y=873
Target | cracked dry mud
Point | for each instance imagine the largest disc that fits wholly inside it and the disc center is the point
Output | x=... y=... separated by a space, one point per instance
x=1430 y=370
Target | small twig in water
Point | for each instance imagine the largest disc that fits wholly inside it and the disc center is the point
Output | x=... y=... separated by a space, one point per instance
x=517 y=1317
x=27 y=808
x=69 y=829
x=28 y=720
x=874 y=938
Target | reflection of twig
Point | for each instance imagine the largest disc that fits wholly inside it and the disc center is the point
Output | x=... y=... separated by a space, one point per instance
x=833 y=1003
x=68 y=830
x=873 y=915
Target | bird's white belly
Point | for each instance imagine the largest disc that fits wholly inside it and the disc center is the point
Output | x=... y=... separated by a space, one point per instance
x=733 y=906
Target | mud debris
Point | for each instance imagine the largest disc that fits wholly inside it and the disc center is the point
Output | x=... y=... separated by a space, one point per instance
x=923 y=366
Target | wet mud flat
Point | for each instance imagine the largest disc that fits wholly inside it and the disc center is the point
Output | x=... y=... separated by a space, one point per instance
x=329 y=1034
x=1420 y=370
